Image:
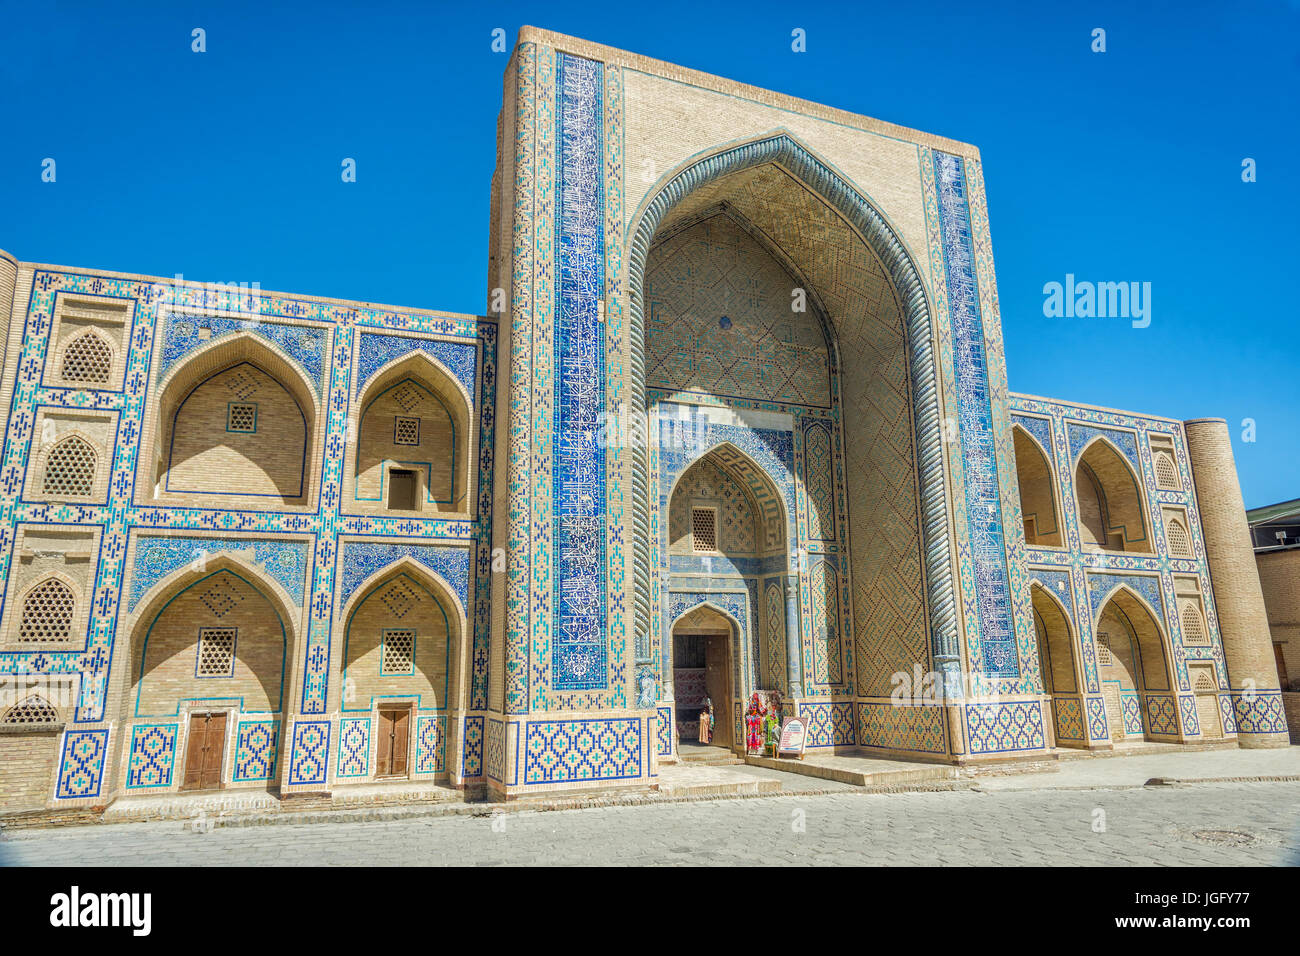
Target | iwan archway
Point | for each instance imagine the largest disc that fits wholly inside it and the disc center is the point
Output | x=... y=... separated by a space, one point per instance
x=827 y=288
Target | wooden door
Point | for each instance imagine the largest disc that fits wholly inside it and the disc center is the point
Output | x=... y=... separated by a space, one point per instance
x=207 y=747
x=1281 y=666
x=717 y=681
x=393 y=726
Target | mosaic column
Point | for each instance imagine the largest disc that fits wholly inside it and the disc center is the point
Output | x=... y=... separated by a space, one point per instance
x=990 y=632
x=1243 y=621
x=793 y=657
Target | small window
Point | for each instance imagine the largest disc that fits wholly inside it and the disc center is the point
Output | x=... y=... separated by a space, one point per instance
x=241 y=417
x=1193 y=626
x=1166 y=470
x=397 y=656
x=31 y=710
x=1104 y=656
x=1203 y=681
x=401 y=490
x=1180 y=545
x=216 y=652
x=704 y=529
x=87 y=359
x=47 y=612
x=406 y=431
x=70 y=469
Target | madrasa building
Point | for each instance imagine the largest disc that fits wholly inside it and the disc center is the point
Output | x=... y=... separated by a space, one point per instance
x=737 y=421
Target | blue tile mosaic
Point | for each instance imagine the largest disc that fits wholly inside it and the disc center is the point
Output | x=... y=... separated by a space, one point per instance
x=987 y=543
x=579 y=650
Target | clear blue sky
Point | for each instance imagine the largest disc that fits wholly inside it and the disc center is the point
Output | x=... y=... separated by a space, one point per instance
x=1118 y=166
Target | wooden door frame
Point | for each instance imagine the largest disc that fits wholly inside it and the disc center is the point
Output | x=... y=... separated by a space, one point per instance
x=228 y=716
x=404 y=706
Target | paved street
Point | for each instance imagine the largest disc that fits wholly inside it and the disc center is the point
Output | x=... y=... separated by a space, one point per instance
x=1182 y=825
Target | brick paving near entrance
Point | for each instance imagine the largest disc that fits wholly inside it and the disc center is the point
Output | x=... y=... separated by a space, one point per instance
x=1222 y=824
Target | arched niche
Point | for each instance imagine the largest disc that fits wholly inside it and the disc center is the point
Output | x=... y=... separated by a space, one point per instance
x=237 y=421
x=411 y=453
x=1111 y=506
x=1037 y=482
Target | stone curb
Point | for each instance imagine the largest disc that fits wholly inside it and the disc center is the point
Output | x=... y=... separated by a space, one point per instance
x=486 y=809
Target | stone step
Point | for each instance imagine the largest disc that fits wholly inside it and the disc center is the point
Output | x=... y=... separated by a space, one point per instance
x=712 y=781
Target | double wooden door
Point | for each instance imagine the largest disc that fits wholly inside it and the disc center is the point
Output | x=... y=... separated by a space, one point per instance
x=203 y=755
x=393 y=743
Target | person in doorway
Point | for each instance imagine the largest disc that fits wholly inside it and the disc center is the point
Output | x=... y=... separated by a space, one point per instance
x=754 y=725
x=706 y=722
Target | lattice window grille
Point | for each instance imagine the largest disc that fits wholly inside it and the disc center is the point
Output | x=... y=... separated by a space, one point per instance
x=1180 y=545
x=31 y=710
x=88 y=359
x=1204 y=681
x=406 y=430
x=1194 y=631
x=1166 y=470
x=398 y=652
x=704 y=529
x=241 y=417
x=1104 y=655
x=216 y=652
x=47 y=612
x=70 y=469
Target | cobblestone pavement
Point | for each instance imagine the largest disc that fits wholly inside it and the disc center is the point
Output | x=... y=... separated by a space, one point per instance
x=1155 y=825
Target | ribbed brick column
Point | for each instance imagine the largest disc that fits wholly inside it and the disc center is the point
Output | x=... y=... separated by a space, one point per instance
x=1243 y=621
x=8 y=276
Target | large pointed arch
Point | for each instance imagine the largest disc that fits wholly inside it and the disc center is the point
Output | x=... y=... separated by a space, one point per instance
x=449 y=401
x=295 y=481
x=1141 y=671
x=453 y=615
x=1112 y=509
x=1036 y=480
x=781 y=149
x=157 y=599
x=762 y=488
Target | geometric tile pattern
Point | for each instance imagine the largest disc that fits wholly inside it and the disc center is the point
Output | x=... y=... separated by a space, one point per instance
x=664 y=730
x=1001 y=727
x=819 y=481
x=724 y=326
x=311 y=745
x=1260 y=712
x=829 y=724
x=430 y=744
x=256 y=750
x=153 y=755
x=472 y=758
x=1187 y=704
x=1131 y=708
x=83 y=763
x=824 y=591
x=1069 y=718
x=921 y=729
x=1097 y=719
x=354 y=747
x=1160 y=717
x=571 y=750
